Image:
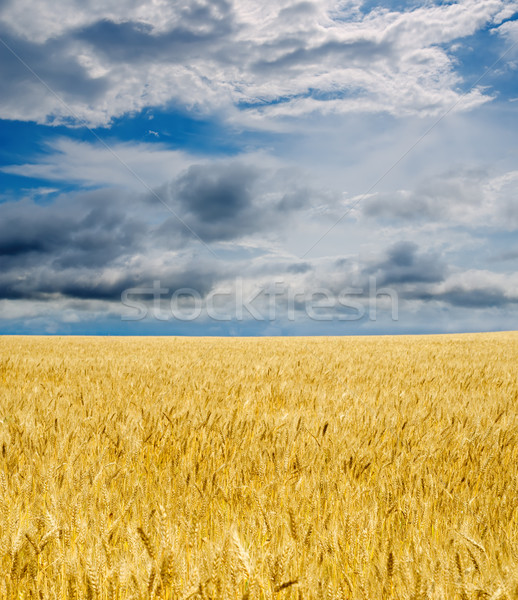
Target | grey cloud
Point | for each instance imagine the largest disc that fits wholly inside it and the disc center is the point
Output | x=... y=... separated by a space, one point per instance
x=343 y=262
x=510 y=211
x=297 y=198
x=86 y=227
x=350 y=53
x=295 y=10
x=48 y=284
x=464 y=296
x=136 y=42
x=435 y=199
x=55 y=248
x=191 y=275
x=404 y=264
x=426 y=277
x=91 y=284
x=26 y=228
x=300 y=267
x=53 y=63
x=217 y=203
x=95 y=244
x=401 y=206
x=277 y=267
x=230 y=201
x=475 y=298
x=215 y=194
x=505 y=256
x=420 y=277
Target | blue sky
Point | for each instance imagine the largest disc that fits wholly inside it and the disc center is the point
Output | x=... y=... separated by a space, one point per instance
x=275 y=168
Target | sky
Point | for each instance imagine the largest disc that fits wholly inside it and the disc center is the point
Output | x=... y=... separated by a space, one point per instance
x=315 y=167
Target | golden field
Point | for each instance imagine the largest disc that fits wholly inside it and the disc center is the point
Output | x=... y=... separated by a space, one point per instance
x=329 y=468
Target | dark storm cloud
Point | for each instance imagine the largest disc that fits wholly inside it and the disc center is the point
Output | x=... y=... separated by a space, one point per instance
x=65 y=246
x=43 y=283
x=215 y=194
x=418 y=276
x=133 y=42
x=83 y=229
x=193 y=276
x=403 y=269
x=94 y=245
x=405 y=264
x=53 y=63
x=227 y=202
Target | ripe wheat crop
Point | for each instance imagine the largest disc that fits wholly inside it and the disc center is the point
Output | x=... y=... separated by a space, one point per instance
x=326 y=468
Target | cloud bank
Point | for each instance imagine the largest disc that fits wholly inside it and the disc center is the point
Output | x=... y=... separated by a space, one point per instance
x=82 y=250
x=251 y=64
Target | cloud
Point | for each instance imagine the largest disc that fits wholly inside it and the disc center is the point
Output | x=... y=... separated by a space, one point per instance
x=508 y=255
x=509 y=29
x=229 y=201
x=355 y=53
x=80 y=251
x=245 y=62
x=83 y=250
x=132 y=166
x=92 y=245
x=475 y=289
x=464 y=197
x=405 y=264
x=419 y=279
x=45 y=248
x=211 y=193
x=201 y=27
x=451 y=196
x=299 y=267
x=25 y=97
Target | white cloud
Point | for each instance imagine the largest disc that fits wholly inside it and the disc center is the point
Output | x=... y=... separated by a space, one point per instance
x=508 y=10
x=122 y=165
x=509 y=30
x=316 y=56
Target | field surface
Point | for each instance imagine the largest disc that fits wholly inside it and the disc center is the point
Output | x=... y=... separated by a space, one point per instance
x=326 y=468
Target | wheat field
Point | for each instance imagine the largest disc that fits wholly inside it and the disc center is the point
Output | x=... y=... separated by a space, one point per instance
x=329 y=468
